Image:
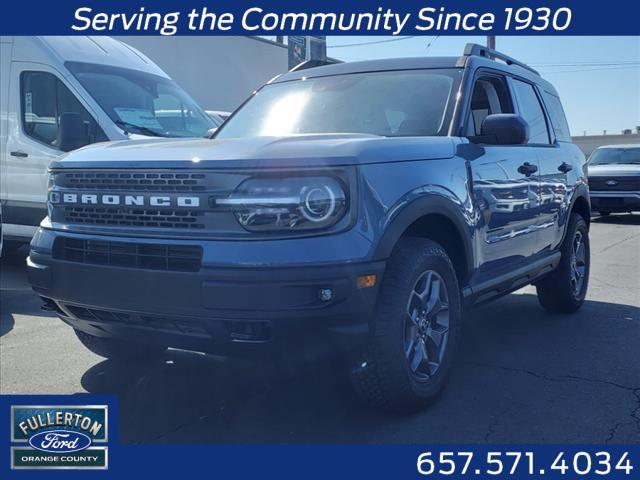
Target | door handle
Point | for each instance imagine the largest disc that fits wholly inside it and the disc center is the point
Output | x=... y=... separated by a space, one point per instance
x=19 y=154
x=527 y=169
x=565 y=167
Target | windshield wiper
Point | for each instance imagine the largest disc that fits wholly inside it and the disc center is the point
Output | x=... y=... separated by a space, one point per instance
x=126 y=126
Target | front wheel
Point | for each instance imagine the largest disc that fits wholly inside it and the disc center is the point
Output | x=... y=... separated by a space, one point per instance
x=564 y=290
x=415 y=331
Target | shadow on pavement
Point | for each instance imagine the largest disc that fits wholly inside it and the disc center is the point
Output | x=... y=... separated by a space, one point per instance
x=515 y=358
x=618 y=219
x=15 y=296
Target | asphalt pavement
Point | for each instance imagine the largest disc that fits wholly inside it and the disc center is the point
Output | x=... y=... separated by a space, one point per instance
x=522 y=376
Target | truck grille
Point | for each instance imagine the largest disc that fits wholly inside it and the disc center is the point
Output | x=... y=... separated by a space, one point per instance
x=177 y=258
x=163 y=182
x=135 y=217
x=623 y=184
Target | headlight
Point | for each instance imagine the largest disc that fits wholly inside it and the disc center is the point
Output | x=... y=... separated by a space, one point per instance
x=295 y=203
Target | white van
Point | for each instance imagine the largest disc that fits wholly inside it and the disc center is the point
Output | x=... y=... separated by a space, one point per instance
x=58 y=94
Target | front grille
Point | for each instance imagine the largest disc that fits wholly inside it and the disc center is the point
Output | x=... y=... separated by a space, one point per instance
x=624 y=184
x=162 y=182
x=177 y=258
x=135 y=217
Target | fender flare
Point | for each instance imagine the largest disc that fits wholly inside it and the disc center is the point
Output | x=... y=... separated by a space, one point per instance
x=421 y=207
x=582 y=191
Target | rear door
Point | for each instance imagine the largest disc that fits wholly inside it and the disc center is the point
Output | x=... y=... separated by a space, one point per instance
x=505 y=182
x=552 y=161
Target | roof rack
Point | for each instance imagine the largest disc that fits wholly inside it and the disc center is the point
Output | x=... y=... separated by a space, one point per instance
x=314 y=63
x=473 y=49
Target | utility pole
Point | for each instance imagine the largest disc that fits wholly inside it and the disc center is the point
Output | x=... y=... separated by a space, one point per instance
x=491 y=42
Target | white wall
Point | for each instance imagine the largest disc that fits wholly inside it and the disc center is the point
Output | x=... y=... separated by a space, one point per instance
x=589 y=143
x=218 y=72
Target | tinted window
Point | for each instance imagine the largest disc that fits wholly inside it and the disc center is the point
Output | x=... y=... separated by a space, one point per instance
x=490 y=96
x=532 y=112
x=403 y=103
x=558 y=119
x=44 y=99
x=622 y=156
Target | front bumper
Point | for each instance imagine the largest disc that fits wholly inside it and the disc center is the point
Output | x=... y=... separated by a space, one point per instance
x=613 y=201
x=218 y=309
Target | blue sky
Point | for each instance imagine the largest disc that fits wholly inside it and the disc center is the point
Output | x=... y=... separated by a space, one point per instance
x=595 y=97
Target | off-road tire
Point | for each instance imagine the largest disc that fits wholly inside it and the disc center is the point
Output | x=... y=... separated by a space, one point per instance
x=385 y=378
x=555 y=293
x=119 y=350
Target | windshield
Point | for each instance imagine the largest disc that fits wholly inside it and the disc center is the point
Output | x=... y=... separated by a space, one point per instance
x=398 y=103
x=614 y=156
x=142 y=103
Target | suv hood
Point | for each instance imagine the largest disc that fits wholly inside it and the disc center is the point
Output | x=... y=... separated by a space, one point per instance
x=613 y=169
x=256 y=152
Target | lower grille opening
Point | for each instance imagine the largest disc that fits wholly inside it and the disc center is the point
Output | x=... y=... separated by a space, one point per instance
x=248 y=331
x=239 y=331
x=151 y=322
x=177 y=258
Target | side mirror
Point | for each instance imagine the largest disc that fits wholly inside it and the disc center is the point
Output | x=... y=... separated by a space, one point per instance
x=504 y=129
x=72 y=132
x=211 y=132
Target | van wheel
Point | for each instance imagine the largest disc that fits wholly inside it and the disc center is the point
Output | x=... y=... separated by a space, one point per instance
x=415 y=331
x=564 y=290
x=119 y=350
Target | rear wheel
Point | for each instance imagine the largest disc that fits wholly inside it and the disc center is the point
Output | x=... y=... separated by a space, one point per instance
x=119 y=350
x=415 y=331
x=564 y=290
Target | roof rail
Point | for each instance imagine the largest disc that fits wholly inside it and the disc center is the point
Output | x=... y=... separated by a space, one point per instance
x=473 y=49
x=314 y=63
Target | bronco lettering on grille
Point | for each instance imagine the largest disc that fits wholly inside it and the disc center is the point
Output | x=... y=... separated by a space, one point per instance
x=128 y=200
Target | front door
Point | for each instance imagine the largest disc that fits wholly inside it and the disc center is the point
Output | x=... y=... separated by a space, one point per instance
x=37 y=98
x=505 y=184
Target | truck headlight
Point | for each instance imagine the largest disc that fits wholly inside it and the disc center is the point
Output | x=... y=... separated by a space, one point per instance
x=289 y=204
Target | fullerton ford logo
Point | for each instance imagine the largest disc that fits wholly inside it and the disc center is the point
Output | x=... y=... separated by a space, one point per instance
x=73 y=436
x=65 y=441
x=123 y=200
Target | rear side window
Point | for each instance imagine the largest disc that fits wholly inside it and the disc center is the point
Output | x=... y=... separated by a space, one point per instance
x=532 y=112
x=558 y=118
x=44 y=99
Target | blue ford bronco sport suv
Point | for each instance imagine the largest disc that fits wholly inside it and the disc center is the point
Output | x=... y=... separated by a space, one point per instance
x=365 y=203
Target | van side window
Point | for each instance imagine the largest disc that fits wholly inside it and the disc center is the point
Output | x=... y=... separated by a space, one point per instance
x=558 y=119
x=44 y=98
x=532 y=112
x=490 y=96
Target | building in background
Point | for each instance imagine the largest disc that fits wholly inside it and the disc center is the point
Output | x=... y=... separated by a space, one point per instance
x=218 y=72
x=588 y=143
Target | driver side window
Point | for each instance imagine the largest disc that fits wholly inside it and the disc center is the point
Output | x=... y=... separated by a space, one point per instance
x=490 y=95
x=44 y=99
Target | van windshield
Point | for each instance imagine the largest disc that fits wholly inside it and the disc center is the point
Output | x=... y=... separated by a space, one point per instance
x=396 y=103
x=142 y=103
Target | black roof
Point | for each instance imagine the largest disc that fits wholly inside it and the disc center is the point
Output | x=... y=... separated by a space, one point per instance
x=382 y=65
x=474 y=56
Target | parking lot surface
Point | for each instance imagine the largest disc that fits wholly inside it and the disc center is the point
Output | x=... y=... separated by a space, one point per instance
x=523 y=375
